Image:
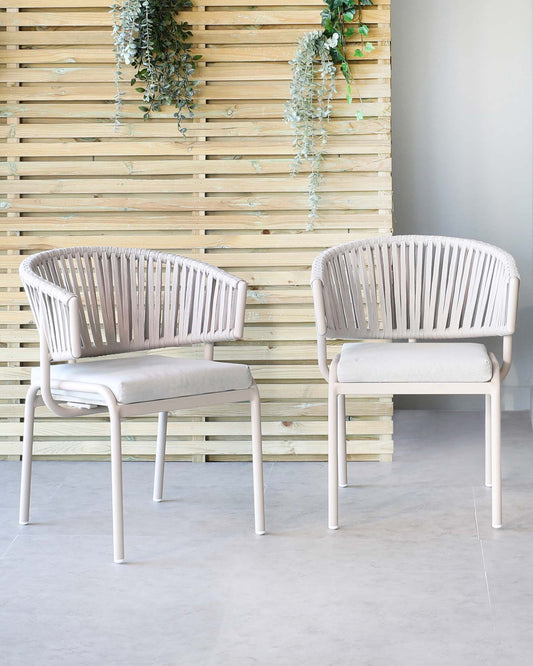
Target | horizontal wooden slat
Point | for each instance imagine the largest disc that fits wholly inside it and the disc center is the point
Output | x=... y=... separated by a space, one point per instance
x=365 y=449
x=248 y=35
x=266 y=222
x=265 y=128
x=217 y=110
x=215 y=72
x=238 y=146
x=265 y=90
x=236 y=17
x=209 y=53
x=175 y=167
x=337 y=183
x=83 y=4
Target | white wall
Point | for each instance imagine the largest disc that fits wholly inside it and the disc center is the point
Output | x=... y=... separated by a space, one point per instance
x=462 y=142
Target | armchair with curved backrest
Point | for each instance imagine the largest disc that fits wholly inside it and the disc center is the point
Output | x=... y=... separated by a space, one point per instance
x=413 y=288
x=95 y=301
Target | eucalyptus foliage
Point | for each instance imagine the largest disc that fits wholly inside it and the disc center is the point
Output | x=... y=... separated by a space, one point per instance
x=148 y=37
x=312 y=91
x=314 y=69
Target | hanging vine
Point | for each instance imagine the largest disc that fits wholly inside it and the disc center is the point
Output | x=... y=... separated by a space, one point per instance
x=314 y=69
x=148 y=37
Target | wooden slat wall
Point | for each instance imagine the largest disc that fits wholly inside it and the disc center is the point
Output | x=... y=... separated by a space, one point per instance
x=224 y=194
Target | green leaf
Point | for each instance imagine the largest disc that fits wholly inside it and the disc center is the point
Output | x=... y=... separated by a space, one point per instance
x=144 y=108
x=363 y=29
x=359 y=114
x=141 y=90
x=197 y=57
x=369 y=47
x=358 y=53
x=348 y=16
x=349 y=32
x=349 y=94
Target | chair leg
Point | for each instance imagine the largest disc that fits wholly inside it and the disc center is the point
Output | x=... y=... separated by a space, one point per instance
x=488 y=455
x=333 y=493
x=116 y=486
x=257 y=463
x=495 y=429
x=160 y=456
x=27 y=453
x=341 y=437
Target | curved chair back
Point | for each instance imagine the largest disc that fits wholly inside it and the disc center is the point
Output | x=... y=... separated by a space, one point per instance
x=420 y=287
x=92 y=301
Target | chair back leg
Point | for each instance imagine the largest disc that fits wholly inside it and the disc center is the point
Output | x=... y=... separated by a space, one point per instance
x=27 y=455
x=333 y=476
x=160 y=456
x=257 y=461
x=488 y=454
x=341 y=439
x=495 y=436
x=116 y=486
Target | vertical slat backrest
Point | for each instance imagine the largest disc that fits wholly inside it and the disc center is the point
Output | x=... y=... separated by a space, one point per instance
x=129 y=300
x=415 y=287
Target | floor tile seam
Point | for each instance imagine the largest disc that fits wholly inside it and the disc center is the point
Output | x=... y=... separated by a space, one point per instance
x=5 y=553
x=485 y=574
x=229 y=603
x=270 y=470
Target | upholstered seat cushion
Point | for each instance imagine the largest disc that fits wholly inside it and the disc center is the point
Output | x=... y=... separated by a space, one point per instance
x=149 y=377
x=414 y=362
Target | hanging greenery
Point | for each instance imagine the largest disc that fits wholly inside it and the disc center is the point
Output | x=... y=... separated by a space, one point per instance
x=314 y=69
x=148 y=37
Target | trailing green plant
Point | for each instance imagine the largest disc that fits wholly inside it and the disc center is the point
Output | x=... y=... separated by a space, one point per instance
x=312 y=91
x=335 y=17
x=149 y=38
x=314 y=69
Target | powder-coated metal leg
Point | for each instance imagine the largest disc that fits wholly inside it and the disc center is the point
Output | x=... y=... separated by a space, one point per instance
x=257 y=463
x=333 y=495
x=160 y=456
x=488 y=455
x=116 y=487
x=27 y=453
x=496 y=459
x=341 y=436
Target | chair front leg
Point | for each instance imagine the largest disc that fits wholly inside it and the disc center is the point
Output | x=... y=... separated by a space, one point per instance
x=116 y=485
x=341 y=437
x=27 y=455
x=333 y=494
x=495 y=428
x=257 y=462
x=160 y=456
x=488 y=447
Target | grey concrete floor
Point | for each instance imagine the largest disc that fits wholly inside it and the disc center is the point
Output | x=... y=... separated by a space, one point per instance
x=414 y=576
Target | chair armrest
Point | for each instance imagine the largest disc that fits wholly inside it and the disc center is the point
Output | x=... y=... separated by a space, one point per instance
x=56 y=311
x=209 y=304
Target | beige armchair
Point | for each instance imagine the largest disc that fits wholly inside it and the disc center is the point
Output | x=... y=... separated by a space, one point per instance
x=414 y=288
x=91 y=302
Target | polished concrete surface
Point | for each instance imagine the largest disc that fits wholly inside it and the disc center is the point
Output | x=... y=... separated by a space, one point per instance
x=415 y=576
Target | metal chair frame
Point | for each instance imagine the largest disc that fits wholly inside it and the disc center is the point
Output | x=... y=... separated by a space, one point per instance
x=96 y=301
x=414 y=288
